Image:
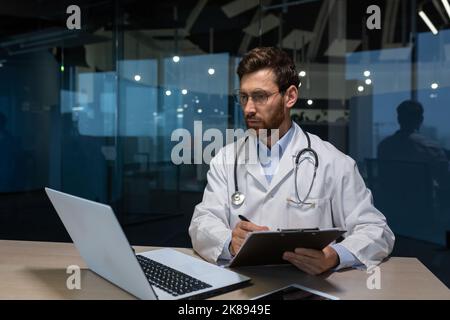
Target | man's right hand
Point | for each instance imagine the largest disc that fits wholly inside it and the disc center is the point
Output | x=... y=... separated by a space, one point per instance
x=240 y=233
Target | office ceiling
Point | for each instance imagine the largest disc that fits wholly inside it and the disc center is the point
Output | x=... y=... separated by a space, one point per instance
x=224 y=25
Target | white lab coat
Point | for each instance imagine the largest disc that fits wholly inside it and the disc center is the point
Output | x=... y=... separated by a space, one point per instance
x=339 y=194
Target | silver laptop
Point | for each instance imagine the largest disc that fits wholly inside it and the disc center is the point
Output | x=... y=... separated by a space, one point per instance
x=158 y=274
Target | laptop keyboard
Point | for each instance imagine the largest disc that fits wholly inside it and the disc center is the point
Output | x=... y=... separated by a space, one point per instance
x=170 y=280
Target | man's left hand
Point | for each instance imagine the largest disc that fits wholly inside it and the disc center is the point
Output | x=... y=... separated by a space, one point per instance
x=313 y=262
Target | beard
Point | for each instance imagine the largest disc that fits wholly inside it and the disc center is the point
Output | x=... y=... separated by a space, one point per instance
x=273 y=122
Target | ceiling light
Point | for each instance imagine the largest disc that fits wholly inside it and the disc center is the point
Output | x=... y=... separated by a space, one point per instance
x=428 y=22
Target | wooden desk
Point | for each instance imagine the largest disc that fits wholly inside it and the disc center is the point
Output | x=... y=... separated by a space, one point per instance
x=37 y=270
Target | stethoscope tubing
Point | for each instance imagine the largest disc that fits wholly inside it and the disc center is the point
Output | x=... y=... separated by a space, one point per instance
x=238 y=198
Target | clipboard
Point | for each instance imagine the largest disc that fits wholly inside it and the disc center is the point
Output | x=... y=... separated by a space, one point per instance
x=267 y=247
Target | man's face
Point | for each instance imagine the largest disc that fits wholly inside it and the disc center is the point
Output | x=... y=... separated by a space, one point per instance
x=259 y=114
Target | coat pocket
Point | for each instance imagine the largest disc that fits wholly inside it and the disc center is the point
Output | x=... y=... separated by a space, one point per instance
x=316 y=214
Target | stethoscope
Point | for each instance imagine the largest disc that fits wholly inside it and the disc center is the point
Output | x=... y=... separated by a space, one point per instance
x=238 y=198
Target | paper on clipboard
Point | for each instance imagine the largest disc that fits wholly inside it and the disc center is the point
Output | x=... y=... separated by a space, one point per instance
x=267 y=247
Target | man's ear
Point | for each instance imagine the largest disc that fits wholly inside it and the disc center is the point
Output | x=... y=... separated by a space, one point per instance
x=291 y=96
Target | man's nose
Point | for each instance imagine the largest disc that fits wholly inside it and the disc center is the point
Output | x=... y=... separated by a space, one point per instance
x=249 y=108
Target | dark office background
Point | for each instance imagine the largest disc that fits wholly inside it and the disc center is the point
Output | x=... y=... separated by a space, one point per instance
x=91 y=112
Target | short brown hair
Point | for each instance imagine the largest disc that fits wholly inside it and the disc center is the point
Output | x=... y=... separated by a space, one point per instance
x=270 y=58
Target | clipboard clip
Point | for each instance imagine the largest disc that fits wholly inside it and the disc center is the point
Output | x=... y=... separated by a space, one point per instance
x=298 y=230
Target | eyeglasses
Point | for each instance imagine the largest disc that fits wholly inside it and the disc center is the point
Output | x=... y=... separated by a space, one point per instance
x=259 y=97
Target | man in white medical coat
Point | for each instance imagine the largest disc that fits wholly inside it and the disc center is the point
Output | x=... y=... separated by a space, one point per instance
x=338 y=198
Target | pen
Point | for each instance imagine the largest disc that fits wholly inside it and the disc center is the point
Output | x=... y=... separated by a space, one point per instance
x=243 y=218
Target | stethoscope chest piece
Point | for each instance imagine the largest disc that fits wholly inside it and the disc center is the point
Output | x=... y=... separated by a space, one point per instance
x=237 y=198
